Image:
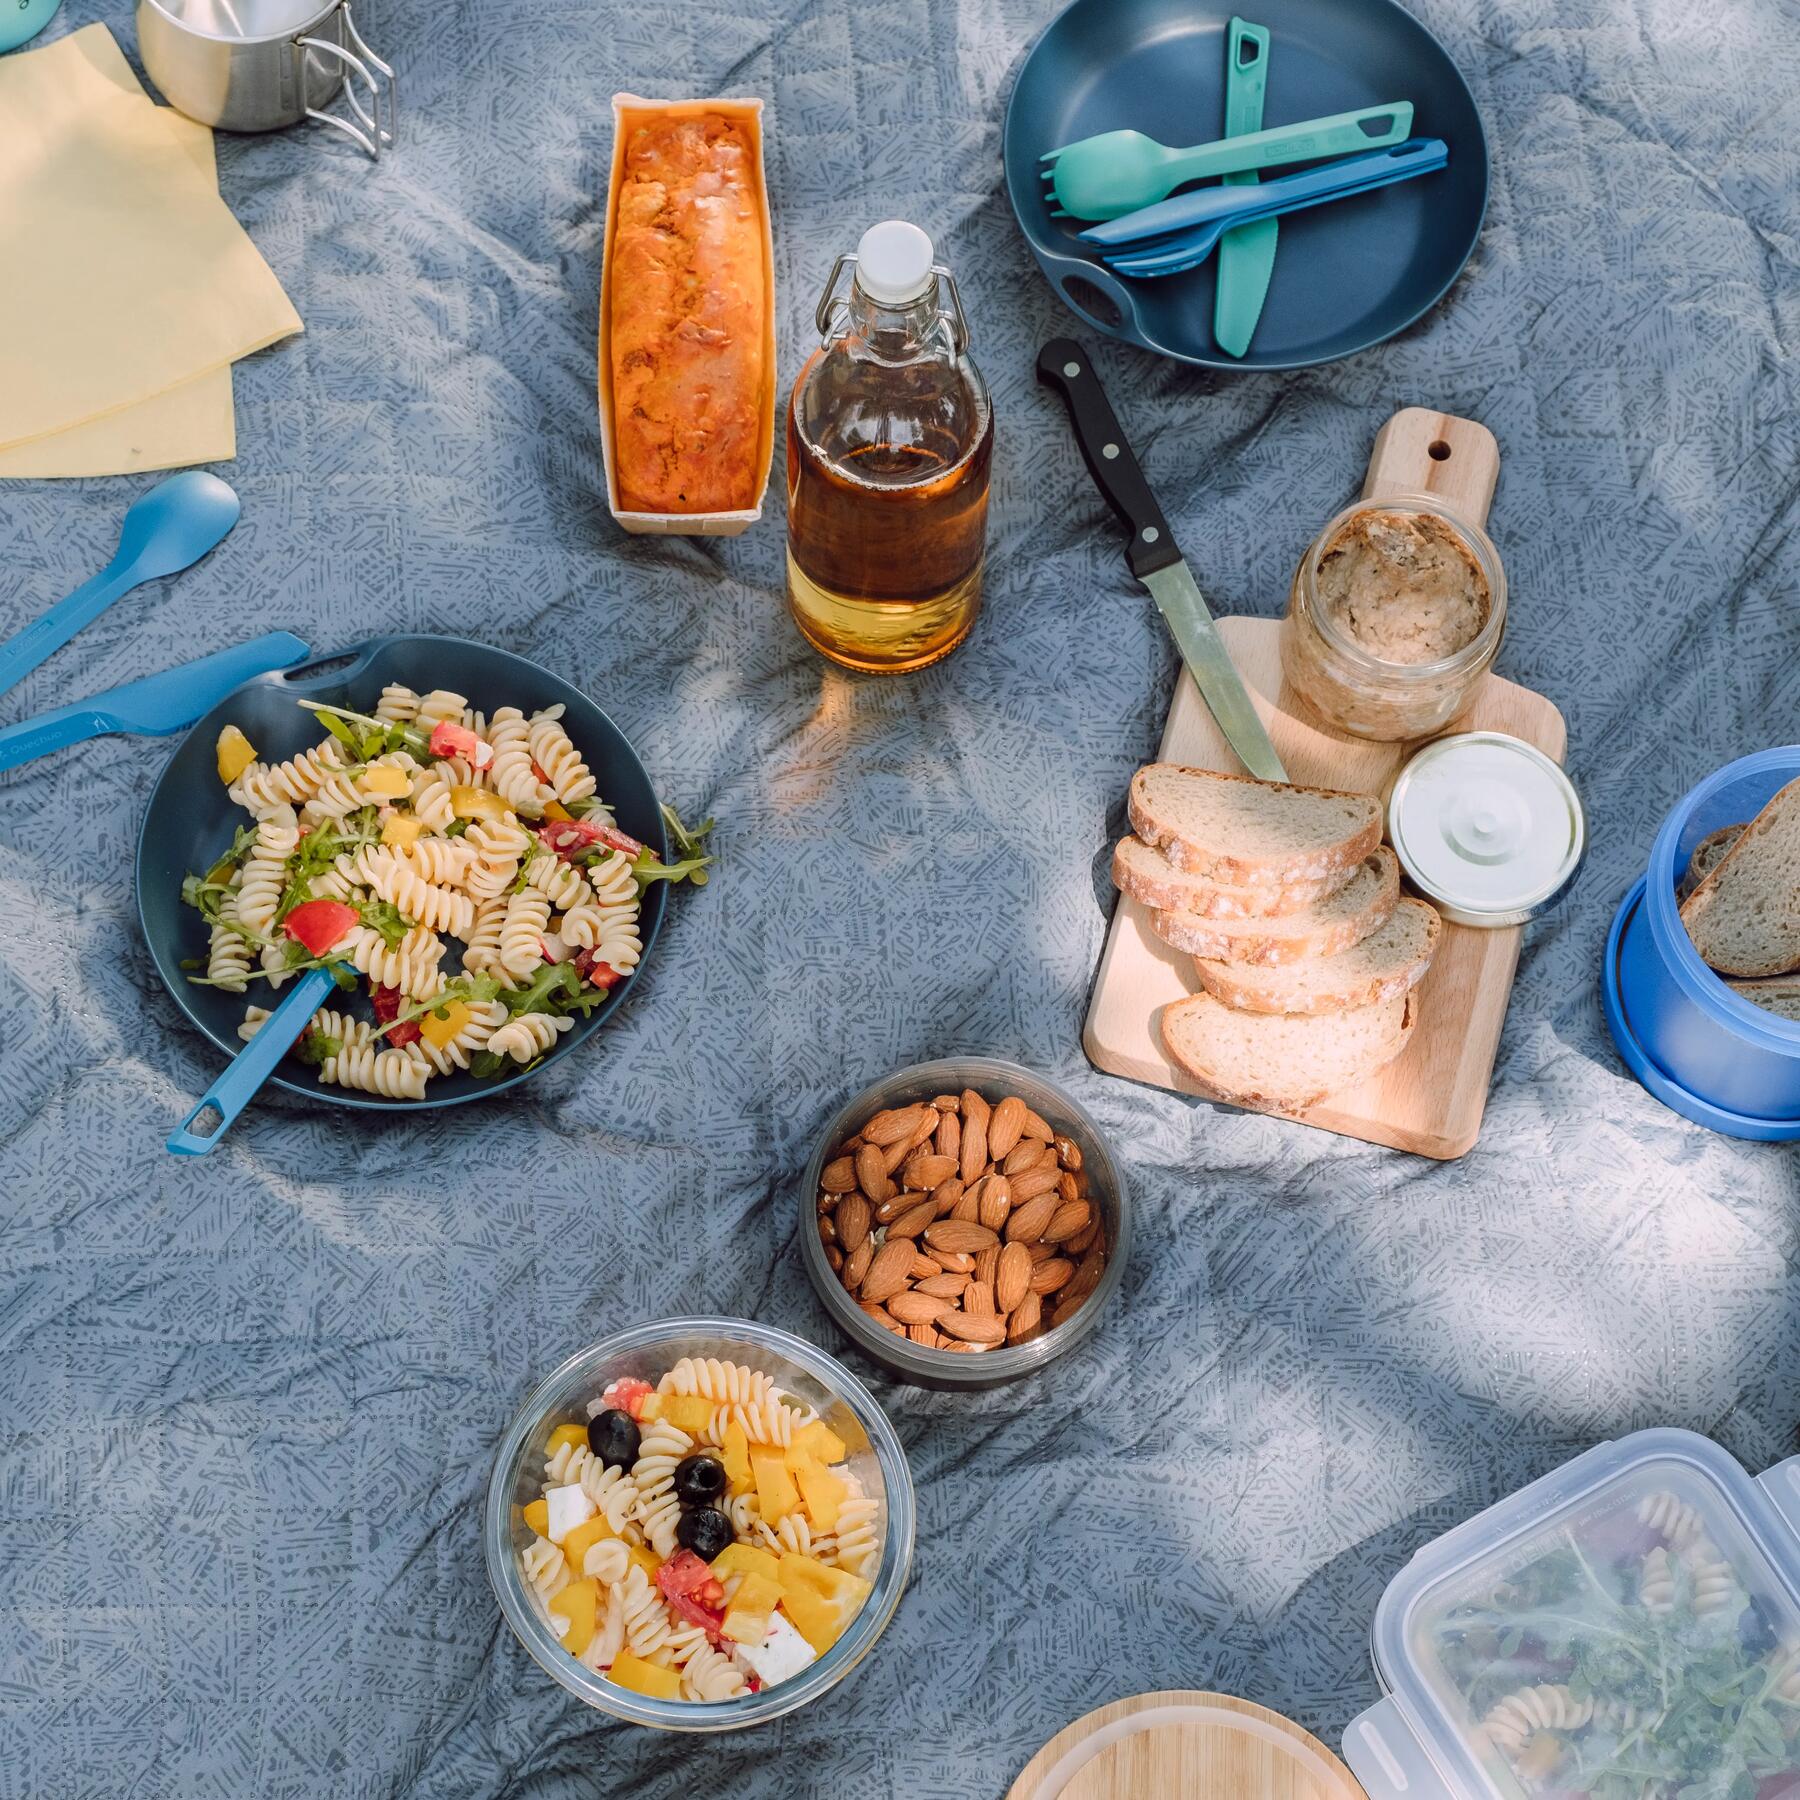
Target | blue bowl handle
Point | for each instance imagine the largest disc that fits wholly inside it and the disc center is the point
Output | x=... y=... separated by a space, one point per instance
x=244 y=1075
x=302 y=678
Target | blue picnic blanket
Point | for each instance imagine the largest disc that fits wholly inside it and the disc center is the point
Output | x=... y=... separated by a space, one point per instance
x=248 y=1406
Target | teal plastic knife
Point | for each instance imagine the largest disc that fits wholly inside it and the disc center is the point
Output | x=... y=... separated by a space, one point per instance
x=1247 y=253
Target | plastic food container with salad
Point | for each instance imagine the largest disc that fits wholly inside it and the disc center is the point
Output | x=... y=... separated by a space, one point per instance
x=1626 y=1628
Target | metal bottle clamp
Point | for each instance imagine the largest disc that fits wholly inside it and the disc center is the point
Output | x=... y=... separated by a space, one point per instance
x=830 y=305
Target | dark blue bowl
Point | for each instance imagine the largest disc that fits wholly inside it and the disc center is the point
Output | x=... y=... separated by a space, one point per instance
x=1346 y=275
x=190 y=820
x=1737 y=1063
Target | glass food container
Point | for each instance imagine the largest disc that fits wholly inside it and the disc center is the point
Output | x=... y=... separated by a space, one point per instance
x=1106 y=1189
x=648 y=1352
x=1354 y=689
x=1626 y=1628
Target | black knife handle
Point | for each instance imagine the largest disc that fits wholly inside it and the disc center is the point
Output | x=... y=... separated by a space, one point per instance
x=1068 y=367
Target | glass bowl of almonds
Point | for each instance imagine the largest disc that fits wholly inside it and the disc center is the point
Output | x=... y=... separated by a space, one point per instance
x=964 y=1222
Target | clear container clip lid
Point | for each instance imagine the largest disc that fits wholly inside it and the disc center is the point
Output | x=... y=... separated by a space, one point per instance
x=1487 y=827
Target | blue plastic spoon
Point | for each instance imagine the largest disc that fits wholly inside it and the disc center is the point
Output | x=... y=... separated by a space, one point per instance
x=167 y=530
x=155 y=706
x=243 y=1076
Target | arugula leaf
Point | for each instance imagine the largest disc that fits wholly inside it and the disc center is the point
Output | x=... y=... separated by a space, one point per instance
x=555 y=988
x=388 y=920
x=484 y=1064
x=314 y=1046
x=692 y=859
x=472 y=988
x=339 y=720
x=340 y=729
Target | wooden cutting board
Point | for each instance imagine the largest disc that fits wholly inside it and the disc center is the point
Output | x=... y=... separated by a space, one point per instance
x=1184 y=1745
x=1431 y=1099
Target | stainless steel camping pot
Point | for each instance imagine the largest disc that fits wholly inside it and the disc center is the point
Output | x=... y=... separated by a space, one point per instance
x=260 y=65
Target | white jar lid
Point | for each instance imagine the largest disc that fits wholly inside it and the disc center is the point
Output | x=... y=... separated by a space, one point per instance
x=1487 y=827
x=893 y=263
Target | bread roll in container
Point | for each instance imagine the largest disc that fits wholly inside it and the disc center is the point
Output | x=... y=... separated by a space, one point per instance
x=1628 y=1624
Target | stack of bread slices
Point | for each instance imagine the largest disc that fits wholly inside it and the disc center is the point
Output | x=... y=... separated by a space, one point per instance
x=1742 y=906
x=1289 y=904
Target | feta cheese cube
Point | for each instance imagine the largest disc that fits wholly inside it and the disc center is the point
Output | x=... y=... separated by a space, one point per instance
x=782 y=1653
x=569 y=1507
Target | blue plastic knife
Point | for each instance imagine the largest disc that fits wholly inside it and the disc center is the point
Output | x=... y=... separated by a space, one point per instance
x=155 y=706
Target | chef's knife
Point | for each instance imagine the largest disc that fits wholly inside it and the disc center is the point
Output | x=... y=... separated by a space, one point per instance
x=1067 y=366
x=1247 y=254
x=155 y=706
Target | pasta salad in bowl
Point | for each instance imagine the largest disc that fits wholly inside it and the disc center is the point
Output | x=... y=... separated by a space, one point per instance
x=700 y=1524
x=465 y=840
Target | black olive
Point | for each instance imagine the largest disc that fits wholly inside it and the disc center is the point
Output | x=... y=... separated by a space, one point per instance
x=1755 y=1632
x=699 y=1480
x=705 y=1531
x=613 y=1437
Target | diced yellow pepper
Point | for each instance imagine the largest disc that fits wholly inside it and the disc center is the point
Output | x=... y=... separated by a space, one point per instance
x=776 y=1495
x=823 y=1493
x=646 y=1559
x=758 y=1593
x=578 y=1542
x=743 y=1626
x=537 y=1517
x=563 y=1434
x=399 y=831
x=556 y=810
x=385 y=779
x=642 y=1677
x=650 y=1407
x=745 y=1559
x=235 y=754
x=736 y=1457
x=821 y=1602
x=691 y=1412
x=579 y=1603
x=441 y=1027
x=817 y=1619
x=816 y=1442
x=799 y=1574
x=477 y=803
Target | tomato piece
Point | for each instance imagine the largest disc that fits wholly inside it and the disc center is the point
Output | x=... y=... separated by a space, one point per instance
x=319 y=924
x=450 y=739
x=567 y=837
x=683 y=1573
x=386 y=1002
x=627 y=1394
x=402 y=1035
x=622 y=841
x=685 y=1582
x=595 y=972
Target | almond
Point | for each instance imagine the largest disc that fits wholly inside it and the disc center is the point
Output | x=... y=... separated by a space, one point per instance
x=890 y=1127
x=1081 y=1181
x=1069 y=1219
x=946 y=1194
x=974 y=1150
x=1036 y=1126
x=996 y=1202
x=856 y=1266
x=957 y=1235
x=968 y=1208
x=1047 y=1277
x=1066 y=1309
x=924 y=1267
x=947 y=1103
x=924 y=1334
x=1012 y=1277
x=883 y=1317
x=839 y=1175
x=1040 y=1180
x=1025 y=1154
x=956 y=1262
x=985 y=1329
x=1024 y=1319
x=965 y=1349
x=925 y=1170
x=1083 y=1241
x=1028 y=1221
x=893 y=1155
x=978 y=1300
x=948 y=1286
x=1004 y=1127
x=1040 y=1251
x=889 y=1271
x=871 y=1176
x=827 y=1229
x=986 y=1262
x=852 y=1221
x=1068 y=1153
x=1087 y=1276
x=835 y=1257
x=914 y=1308
x=911 y=1222
x=1068 y=1186
x=948 y=1141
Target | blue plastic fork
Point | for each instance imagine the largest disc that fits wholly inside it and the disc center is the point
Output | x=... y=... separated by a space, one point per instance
x=1191 y=225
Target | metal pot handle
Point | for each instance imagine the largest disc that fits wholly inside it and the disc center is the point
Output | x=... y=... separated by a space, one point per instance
x=367 y=129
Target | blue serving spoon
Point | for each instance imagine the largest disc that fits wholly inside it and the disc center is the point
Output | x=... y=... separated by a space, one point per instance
x=166 y=530
x=243 y=1076
x=155 y=706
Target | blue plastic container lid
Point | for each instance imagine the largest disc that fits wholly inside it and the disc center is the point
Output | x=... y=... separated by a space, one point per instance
x=1656 y=1080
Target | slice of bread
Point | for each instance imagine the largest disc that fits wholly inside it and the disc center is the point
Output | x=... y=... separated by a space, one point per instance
x=1708 y=854
x=1744 y=917
x=1147 y=875
x=1386 y=964
x=1283 y=1062
x=1780 y=996
x=1234 y=828
x=1357 y=910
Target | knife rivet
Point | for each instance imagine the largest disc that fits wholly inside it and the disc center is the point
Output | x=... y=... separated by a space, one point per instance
x=1109 y=451
x=1150 y=534
x=1071 y=369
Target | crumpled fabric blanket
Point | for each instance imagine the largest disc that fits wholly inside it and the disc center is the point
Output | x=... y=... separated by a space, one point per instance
x=248 y=1405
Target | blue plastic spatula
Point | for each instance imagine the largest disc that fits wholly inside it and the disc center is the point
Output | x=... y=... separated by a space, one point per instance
x=155 y=706
x=242 y=1078
x=1246 y=254
x=167 y=530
